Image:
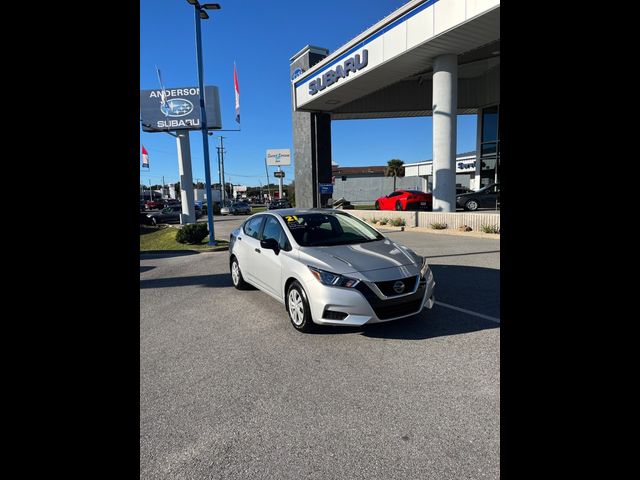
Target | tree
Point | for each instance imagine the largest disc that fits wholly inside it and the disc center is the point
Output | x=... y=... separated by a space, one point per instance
x=291 y=192
x=394 y=169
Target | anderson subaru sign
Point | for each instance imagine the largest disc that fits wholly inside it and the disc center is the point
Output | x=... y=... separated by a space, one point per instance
x=178 y=109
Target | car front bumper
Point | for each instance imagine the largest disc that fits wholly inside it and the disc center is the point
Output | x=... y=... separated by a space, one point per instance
x=363 y=306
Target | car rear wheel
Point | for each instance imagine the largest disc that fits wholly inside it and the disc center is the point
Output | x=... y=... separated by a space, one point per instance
x=471 y=205
x=377 y=205
x=236 y=276
x=398 y=205
x=298 y=308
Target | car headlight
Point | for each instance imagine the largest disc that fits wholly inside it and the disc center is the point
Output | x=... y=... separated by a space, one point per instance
x=333 y=279
x=424 y=268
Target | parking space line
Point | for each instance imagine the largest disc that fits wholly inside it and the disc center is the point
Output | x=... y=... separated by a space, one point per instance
x=468 y=312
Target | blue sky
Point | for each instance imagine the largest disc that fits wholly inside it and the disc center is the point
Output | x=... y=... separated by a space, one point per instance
x=260 y=37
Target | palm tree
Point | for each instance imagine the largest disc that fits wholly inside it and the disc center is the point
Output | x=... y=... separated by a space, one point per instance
x=394 y=169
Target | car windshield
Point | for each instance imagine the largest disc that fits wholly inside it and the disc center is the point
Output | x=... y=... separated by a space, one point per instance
x=322 y=229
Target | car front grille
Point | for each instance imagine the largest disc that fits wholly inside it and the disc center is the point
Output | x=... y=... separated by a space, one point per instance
x=392 y=311
x=387 y=287
x=394 y=307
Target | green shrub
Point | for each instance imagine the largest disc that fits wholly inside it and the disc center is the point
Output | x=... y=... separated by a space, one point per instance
x=384 y=221
x=398 y=222
x=490 y=228
x=438 y=226
x=192 y=234
x=373 y=220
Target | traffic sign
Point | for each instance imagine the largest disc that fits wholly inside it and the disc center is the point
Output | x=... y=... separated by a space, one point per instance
x=278 y=174
x=326 y=188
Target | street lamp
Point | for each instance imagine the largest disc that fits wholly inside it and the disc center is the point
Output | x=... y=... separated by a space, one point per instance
x=199 y=13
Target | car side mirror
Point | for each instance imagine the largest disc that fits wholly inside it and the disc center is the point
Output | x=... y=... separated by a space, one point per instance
x=270 y=244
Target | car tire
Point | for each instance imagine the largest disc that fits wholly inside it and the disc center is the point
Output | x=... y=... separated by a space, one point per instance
x=471 y=205
x=377 y=205
x=236 y=275
x=398 y=206
x=298 y=308
x=154 y=222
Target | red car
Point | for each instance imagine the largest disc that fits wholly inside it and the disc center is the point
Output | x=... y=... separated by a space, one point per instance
x=405 y=200
x=154 y=205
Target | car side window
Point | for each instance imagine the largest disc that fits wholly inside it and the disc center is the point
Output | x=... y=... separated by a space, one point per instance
x=252 y=227
x=272 y=229
x=166 y=210
x=395 y=194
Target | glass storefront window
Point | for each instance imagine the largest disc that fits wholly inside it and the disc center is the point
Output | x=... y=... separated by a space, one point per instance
x=489 y=124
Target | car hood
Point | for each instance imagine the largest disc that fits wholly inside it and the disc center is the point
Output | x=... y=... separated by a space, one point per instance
x=360 y=257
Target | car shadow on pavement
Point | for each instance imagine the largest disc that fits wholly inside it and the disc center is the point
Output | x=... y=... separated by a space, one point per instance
x=216 y=280
x=166 y=254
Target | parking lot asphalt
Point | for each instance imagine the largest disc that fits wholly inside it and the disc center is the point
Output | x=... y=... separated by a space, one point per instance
x=228 y=389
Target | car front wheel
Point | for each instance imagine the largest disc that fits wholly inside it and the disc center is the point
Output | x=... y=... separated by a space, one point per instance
x=377 y=205
x=471 y=205
x=298 y=308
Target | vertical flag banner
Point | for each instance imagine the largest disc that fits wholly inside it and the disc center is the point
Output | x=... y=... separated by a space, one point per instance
x=237 y=90
x=145 y=158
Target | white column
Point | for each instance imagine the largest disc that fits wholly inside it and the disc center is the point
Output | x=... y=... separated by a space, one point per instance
x=186 y=178
x=445 y=107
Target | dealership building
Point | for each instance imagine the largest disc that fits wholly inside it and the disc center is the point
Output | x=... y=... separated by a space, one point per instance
x=435 y=58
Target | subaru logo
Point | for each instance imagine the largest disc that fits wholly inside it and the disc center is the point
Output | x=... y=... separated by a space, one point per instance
x=398 y=286
x=177 y=107
x=296 y=73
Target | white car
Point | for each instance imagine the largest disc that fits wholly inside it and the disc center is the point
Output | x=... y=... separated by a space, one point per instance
x=329 y=268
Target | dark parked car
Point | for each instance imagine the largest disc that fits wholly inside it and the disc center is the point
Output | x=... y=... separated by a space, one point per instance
x=170 y=214
x=236 y=208
x=487 y=197
x=277 y=204
x=405 y=200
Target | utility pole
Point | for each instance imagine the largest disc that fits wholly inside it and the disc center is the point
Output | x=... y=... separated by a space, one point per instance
x=162 y=186
x=266 y=170
x=224 y=186
x=150 y=192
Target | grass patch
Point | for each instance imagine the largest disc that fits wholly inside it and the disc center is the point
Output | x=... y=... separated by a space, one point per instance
x=257 y=209
x=398 y=222
x=438 y=226
x=490 y=229
x=164 y=238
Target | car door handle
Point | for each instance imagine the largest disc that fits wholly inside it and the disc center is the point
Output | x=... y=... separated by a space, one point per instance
x=257 y=250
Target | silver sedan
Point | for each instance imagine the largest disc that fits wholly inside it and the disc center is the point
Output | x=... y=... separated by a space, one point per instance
x=329 y=268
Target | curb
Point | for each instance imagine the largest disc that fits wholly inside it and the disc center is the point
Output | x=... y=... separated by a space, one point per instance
x=451 y=231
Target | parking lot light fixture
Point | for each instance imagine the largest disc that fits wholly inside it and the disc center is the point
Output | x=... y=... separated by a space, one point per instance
x=211 y=6
x=199 y=14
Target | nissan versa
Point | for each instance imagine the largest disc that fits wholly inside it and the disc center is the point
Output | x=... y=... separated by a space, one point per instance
x=329 y=268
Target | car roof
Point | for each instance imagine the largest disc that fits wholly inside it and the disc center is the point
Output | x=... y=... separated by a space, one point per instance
x=302 y=211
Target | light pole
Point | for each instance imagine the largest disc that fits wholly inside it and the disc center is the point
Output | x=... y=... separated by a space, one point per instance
x=200 y=13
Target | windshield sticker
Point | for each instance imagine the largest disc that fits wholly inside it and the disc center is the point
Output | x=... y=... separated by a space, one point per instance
x=294 y=222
